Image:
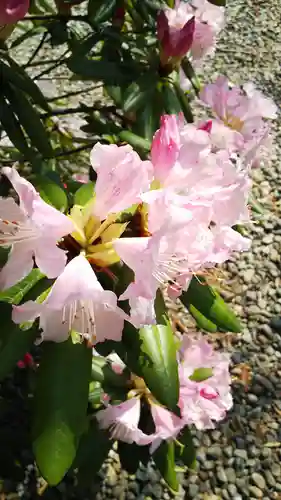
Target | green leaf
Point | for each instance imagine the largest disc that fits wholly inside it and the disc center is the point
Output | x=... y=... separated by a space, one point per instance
x=171 y=103
x=184 y=103
x=14 y=343
x=51 y=192
x=191 y=75
x=134 y=140
x=201 y=321
x=13 y=129
x=152 y=355
x=101 y=10
x=210 y=304
x=219 y=3
x=129 y=455
x=84 y=194
x=164 y=458
x=102 y=372
x=16 y=75
x=184 y=449
x=92 y=452
x=29 y=120
x=201 y=374
x=148 y=120
x=110 y=72
x=137 y=93
x=96 y=393
x=16 y=293
x=60 y=406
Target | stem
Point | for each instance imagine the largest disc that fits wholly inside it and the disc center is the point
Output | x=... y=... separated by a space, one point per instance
x=75 y=92
x=38 y=48
x=55 y=17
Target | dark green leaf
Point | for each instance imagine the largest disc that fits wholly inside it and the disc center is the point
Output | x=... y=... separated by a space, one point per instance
x=101 y=10
x=16 y=293
x=184 y=103
x=29 y=120
x=137 y=93
x=171 y=103
x=148 y=120
x=51 y=192
x=18 y=77
x=108 y=71
x=14 y=343
x=184 y=449
x=60 y=406
x=210 y=304
x=84 y=194
x=152 y=355
x=129 y=455
x=92 y=452
x=102 y=372
x=13 y=129
x=219 y=3
x=164 y=458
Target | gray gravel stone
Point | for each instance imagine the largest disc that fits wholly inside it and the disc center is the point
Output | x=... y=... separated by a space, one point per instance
x=258 y=480
x=255 y=492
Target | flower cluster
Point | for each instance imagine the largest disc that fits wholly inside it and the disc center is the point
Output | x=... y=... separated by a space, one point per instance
x=165 y=218
x=204 y=399
x=189 y=28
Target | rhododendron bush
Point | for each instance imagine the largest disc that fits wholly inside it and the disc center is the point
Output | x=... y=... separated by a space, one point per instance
x=88 y=260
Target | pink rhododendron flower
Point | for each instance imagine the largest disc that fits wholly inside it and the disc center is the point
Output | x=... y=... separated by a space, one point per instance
x=243 y=111
x=123 y=422
x=205 y=401
x=189 y=27
x=32 y=228
x=12 y=11
x=175 y=32
x=76 y=302
x=122 y=177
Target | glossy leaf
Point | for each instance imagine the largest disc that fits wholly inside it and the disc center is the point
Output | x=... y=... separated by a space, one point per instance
x=129 y=455
x=29 y=120
x=60 y=406
x=92 y=452
x=84 y=194
x=201 y=321
x=184 y=103
x=152 y=355
x=101 y=10
x=171 y=102
x=12 y=127
x=51 y=192
x=14 y=343
x=137 y=93
x=210 y=304
x=16 y=293
x=164 y=458
x=102 y=372
x=108 y=71
x=219 y=3
x=184 y=449
x=134 y=140
x=18 y=77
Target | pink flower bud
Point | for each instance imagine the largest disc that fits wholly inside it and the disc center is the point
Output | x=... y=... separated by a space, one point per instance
x=27 y=361
x=12 y=10
x=175 y=37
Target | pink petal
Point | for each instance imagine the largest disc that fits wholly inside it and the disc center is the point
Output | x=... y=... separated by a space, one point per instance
x=19 y=265
x=25 y=190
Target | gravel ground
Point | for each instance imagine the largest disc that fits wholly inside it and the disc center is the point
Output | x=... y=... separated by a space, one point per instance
x=241 y=458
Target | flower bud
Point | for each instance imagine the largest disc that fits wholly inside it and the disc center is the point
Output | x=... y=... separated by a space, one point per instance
x=12 y=11
x=175 y=34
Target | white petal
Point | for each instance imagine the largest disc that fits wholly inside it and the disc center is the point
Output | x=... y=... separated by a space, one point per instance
x=19 y=265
